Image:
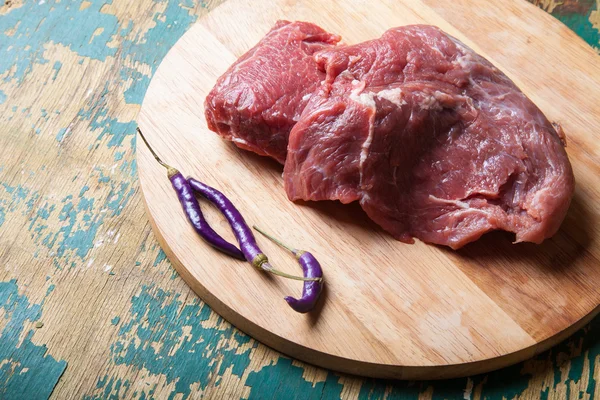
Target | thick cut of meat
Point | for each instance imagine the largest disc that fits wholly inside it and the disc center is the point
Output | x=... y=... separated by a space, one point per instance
x=260 y=97
x=432 y=140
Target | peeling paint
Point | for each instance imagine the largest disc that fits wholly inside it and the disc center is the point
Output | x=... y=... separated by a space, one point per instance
x=160 y=257
x=57 y=66
x=26 y=370
x=25 y=30
x=61 y=134
x=184 y=354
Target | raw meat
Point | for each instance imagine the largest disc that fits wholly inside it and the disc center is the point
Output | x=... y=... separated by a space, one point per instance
x=258 y=100
x=432 y=140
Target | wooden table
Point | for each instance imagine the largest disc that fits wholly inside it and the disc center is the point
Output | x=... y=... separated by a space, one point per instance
x=89 y=305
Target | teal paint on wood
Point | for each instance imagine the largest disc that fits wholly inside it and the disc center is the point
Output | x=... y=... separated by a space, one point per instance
x=44 y=212
x=169 y=26
x=84 y=189
x=37 y=23
x=164 y=335
x=160 y=257
x=158 y=317
x=61 y=134
x=580 y=22
x=284 y=381
x=85 y=204
x=3 y=97
x=57 y=66
x=26 y=370
x=79 y=218
x=139 y=84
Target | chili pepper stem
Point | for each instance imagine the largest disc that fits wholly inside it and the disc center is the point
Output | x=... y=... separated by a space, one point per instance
x=170 y=170
x=274 y=240
x=262 y=262
x=269 y=268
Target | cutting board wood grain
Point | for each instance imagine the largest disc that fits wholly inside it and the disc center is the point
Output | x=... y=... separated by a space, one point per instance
x=389 y=309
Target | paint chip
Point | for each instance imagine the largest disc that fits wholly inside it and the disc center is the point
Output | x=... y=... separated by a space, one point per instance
x=39 y=324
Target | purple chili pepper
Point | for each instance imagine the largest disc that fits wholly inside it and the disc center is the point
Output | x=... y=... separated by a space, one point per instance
x=242 y=232
x=311 y=269
x=192 y=209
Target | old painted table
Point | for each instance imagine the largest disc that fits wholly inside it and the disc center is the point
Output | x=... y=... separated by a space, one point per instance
x=89 y=305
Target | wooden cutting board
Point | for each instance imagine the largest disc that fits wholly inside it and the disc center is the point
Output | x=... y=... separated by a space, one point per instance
x=389 y=309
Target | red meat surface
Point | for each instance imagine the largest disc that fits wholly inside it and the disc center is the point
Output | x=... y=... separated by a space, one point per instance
x=431 y=139
x=258 y=100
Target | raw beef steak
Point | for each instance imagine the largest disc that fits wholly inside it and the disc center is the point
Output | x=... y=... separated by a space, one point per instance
x=432 y=140
x=258 y=100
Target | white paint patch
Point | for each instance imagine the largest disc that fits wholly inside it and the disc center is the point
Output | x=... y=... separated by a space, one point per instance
x=107 y=267
x=90 y=262
x=117 y=238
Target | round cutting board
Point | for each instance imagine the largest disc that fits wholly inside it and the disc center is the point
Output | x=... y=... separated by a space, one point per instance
x=389 y=309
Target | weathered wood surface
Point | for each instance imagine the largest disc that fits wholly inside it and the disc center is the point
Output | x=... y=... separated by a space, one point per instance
x=89 y=306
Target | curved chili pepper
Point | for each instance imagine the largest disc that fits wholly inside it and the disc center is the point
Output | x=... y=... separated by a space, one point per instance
x=192 y=209
x=242 y=232
x=311 y=269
